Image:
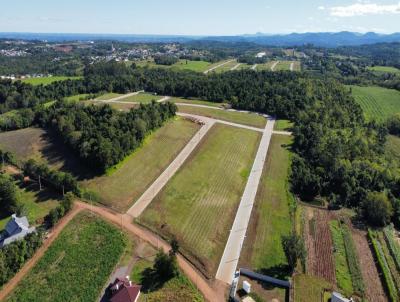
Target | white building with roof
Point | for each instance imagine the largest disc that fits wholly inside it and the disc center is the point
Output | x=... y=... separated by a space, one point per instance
x=17 y=228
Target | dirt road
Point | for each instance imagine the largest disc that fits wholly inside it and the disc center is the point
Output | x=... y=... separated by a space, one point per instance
x=218 y=66
x=10 y=285
x=231 y=255
x=274 y=65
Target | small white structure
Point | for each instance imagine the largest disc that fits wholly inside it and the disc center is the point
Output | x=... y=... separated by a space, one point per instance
x=337 y=297
x=246 y=287
x=17 y=228
x=261 y=54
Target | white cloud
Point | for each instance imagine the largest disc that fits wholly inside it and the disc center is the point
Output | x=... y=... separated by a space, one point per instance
x=363 y=8
x=321 y=7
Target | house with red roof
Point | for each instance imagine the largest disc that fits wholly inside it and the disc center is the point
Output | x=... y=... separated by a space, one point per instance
x=123 y=290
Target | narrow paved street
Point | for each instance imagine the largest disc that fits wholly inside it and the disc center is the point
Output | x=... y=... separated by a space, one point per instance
x=231 y=255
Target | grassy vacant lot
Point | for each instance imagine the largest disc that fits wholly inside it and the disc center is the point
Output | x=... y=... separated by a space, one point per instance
x=227 y=67
x=199 y=203
x=77 y=98
x=377 y=102
x=126 y=182
x=48 y=80
x=283 y=65
x=77 y=265
x=108 y=96
x=384 y=69
x=250 y=119
x=196 y=102
x=271 y=215
x=141 y=98
x=283 y=125
x=265 y=66
x=199 y=66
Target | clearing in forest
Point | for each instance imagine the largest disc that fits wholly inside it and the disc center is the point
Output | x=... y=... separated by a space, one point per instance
x=199 y=203
x=68 y=271
x=377 y=103
x=244 y=118
x=48 y=80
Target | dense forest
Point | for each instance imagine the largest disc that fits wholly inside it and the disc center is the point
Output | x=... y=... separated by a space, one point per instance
x=100 y=135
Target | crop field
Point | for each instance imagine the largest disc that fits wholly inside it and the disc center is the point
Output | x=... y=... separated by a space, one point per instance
x=123 y=184
x=141 y=98
x=68 y=271
x=318 y=240
x=309 y=289
x=196 y=102
x=250 y=119
x=48 y=80
x=377 y=102
x=198 y=206
x=384 y=69
x=271 y=219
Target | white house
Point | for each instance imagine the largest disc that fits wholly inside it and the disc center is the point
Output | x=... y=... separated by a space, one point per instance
x=17 y=228
x=337 y=297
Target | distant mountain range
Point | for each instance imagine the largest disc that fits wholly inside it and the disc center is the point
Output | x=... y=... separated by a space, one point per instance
x=324 y=39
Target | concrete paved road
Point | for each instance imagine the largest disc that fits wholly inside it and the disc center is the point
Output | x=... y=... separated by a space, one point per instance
x=230 y=257
x=218 y=66
x=141 y=204
x=274 y=65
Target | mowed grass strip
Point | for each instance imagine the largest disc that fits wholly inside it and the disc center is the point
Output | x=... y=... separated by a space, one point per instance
x=77 y=265
x=124 y=184
x=249 y=119
x=199 y=203
x=262 y=250
x=48 y=80
x=377 y=102
x=144 y=98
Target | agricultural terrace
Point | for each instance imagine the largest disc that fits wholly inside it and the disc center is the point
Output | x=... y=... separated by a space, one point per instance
x=144 y=98
x=250 y=119
x=271 y=218
x=196 y=102
x=123 y=184
x=48 y=80
x=384 y=69
x=377 y=102
x=199 y=203
x=68 y=271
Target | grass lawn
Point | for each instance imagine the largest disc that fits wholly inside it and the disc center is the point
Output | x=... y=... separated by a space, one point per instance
x=250 y=119
x=217 y=64
x=108 y=96
x=308 y=288
x=262 y=250
x=77 y=265
x=141 y=98
x=196 y=102
x=48 y=80
x=343 y=275
x=227 y=67
x=377 y=102
x=283 y=125
x=283 y=65
x=199 y=66
x=384 y=69
x=266 y=66
x=36 y=204
x=198 y=204
x=122 y=185
x=77 y=98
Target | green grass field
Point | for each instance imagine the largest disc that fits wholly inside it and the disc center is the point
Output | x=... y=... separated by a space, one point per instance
x=108 y=96
x=199 y=202
x=125 y=183
x=283 y=125
x=144 y=98
x=227 y=67
x=384 y=69
x=343 y=275
x=377 y=102
x=77 y=98
x=199 y=66
x=309 y=289
x=77 y=265
x=283 y=65
x=266 y=66
x=48 y=80
x=196 y=102
x=250 y=119
x=262 y=250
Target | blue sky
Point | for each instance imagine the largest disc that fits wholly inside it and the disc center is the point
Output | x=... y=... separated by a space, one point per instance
x=201 y=17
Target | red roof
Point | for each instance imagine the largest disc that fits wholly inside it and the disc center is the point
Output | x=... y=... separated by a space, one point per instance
x=124 y=291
